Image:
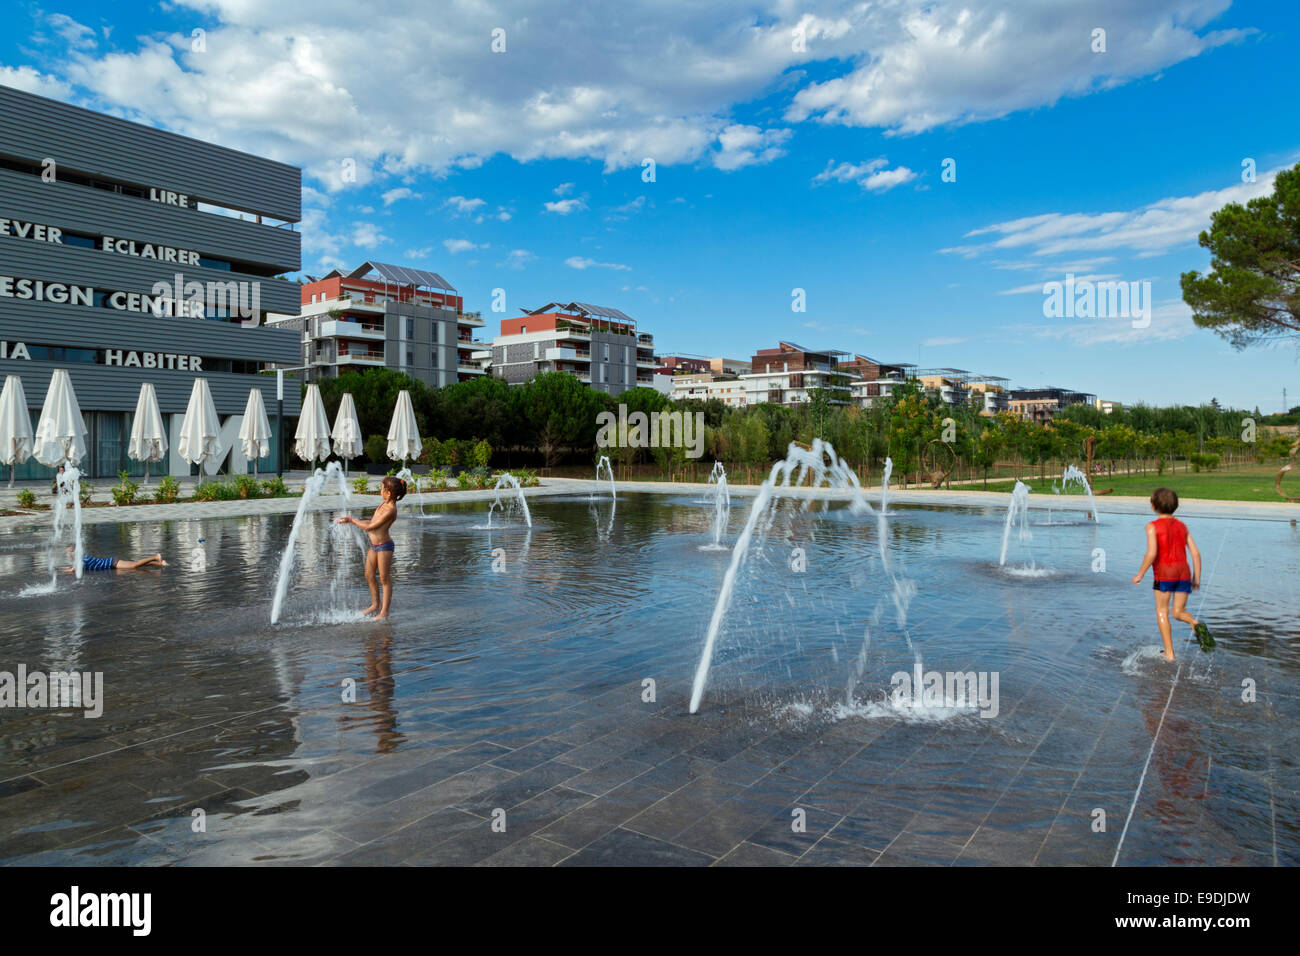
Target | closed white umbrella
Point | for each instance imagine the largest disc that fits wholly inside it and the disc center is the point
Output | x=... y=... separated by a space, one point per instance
x=60 y=432
x=255 y=432
x=404 y=433
x=148 y=436
x=61 y=440
x=16 y=425
x=200 y=429
x=347 y=430
x=312 y=439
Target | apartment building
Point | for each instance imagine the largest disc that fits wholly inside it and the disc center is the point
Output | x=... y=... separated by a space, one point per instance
x=789 y=373
x=1041 y=404
x=601 y=346
x=386 y=316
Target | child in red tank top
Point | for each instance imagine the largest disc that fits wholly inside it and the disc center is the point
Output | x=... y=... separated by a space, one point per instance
x=1168 y=542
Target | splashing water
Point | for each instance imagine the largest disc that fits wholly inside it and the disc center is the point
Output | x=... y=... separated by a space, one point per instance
x=823 y=468
x=604 y=464
x=719 y=497
x=884 y=485
x=413 y=492
x=312 y=489
x=1018 y=508
x=1074 y=476
x=68 y=488
x=515 y=502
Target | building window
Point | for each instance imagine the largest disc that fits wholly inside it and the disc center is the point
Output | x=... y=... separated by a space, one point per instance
x=410 y=358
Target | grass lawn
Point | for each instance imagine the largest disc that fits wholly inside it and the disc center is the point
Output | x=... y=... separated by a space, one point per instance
x=1250 y=483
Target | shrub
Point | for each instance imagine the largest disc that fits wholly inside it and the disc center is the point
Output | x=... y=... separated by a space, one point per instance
x=246 y=486
x=480 y=454
x=125 y=490
x=431 y=453
x=87 y=492
x=275 y=487
x=169 y=489
x=1206 y=461
x=376 y=448
x=27 y=498
x=361 y=484
x=464 y=481
x=216 y=491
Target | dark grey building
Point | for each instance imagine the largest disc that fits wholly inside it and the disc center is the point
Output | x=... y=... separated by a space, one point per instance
x=130 y=254
x=386 y=316
x=600 y=345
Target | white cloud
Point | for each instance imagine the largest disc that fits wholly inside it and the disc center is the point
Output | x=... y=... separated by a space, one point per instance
x=29 y=80
x=582 y=262
x=76 y=35
x=1170 y=320
x=1036 y=288
x=367 y=235
x=563 y=207
x=421 y=253
x=928 y=65
x=393 y=195
x=464 y=206
x=941 y=340
x=741 y=146
x=1152 y=229
x=518 y=258
x=457 y=246
x=873 y=175
x=273 y=79
x=563 y=189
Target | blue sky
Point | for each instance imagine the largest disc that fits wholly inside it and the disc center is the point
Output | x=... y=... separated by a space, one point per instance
x=796 y=146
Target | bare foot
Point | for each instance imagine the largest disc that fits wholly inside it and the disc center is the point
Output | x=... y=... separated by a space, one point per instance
x=369 y=611
x=381 y=617
x=159 y=558
x=1168 y=657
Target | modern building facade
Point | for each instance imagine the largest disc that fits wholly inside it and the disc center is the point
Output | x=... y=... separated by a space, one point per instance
x=789 y=373
x=129 y=255
x=1041 y=404
x=600 y=345
x=729 y=389
x=385 y=316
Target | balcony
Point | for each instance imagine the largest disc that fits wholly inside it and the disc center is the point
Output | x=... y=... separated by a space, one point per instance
x=356 y=356
x=645 y=338
x=470 y=369
x=348 y=329
x=470 y=318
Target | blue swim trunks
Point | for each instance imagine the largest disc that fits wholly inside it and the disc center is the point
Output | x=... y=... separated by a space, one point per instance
x=1181 y=587
x=386 y=546
x=98 y=564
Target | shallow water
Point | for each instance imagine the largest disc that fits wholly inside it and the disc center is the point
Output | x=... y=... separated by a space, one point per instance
x=525 y=689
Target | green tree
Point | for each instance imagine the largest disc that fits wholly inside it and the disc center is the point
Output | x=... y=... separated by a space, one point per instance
x=560 y=412
x=1252 y=294
x=375 y=393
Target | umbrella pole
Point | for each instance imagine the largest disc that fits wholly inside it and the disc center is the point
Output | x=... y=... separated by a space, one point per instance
x=146 y=473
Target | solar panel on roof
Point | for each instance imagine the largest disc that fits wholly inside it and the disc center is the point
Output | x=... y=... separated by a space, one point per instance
x=603 y=311
x=402 y=275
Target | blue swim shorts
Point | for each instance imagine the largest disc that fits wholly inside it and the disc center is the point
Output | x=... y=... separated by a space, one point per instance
x=1181 y=587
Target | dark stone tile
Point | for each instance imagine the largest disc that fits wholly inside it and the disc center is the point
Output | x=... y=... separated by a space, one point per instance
x=529 y=756
x=1001 y=848
x=608 y=776
x=520 y=787
x=872 y=824
x=751 y=854
x=416 y=843
x=625 y=848
x=912 y=849
x=530 y=851
x=830 y=852
x=778 y=832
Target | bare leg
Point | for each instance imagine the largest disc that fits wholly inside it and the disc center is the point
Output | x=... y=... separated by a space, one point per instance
x=371 y=565
x=123 y=565
x=386 y=581
x=1180 y=610
x=1162 y=619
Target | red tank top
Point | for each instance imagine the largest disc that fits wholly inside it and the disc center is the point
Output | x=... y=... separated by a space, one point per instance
x=1171 y=550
